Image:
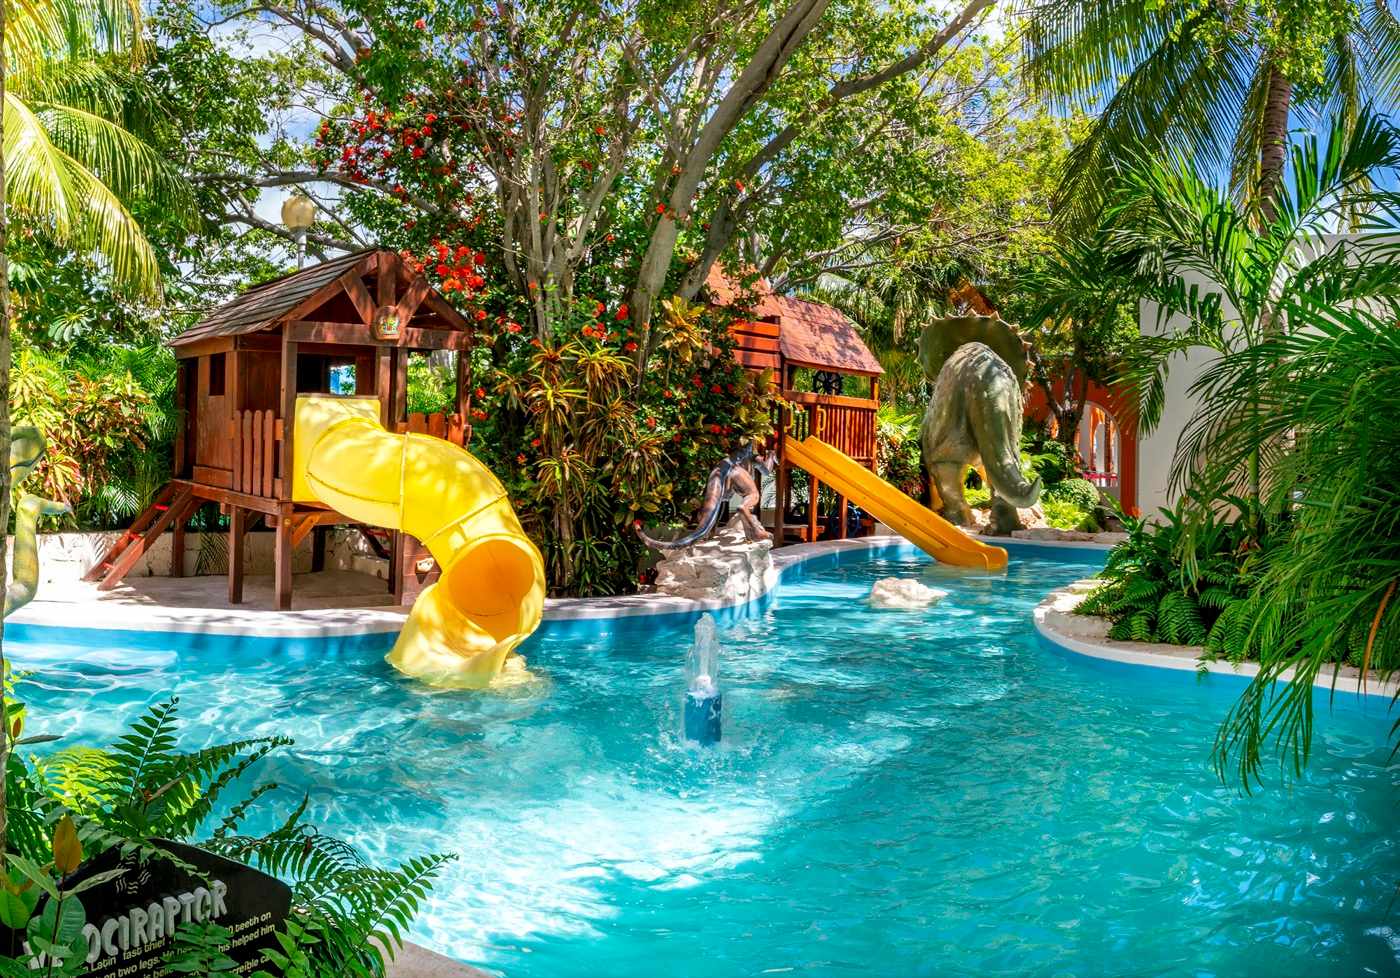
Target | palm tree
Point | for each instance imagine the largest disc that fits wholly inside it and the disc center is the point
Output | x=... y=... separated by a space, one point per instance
x=70 y=161
x=1217 y=83
x=66 y=162
x=1296 y=410
x=1326 y=594
x=1080 y=320
x=1201 y=255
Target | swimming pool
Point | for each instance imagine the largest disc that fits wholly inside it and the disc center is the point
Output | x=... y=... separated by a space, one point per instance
x=898 y=794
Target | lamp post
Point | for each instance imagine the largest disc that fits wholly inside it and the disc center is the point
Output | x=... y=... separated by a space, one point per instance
x=298 y=214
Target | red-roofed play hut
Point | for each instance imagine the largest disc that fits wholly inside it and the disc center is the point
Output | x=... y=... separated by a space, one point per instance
x=831 y=382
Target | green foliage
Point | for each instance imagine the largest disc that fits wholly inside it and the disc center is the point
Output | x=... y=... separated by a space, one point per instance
x=587 y=448
x=991 y=229
x=1080 y=493
x=1328 y=592
x=978 y=497
x=1048 y=459
x=1064 y=514
x=197 y=949
x=78 y=803
x=431 y=389
x=72 y=165
x=109 y=419
x=1150 y=596
x=1204 y=82
x=1294 y=407
x=897 y=450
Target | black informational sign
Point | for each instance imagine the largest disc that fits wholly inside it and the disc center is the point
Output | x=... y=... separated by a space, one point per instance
x=132 y=918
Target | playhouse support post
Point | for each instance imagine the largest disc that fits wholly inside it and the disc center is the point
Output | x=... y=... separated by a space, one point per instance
x=237 y=530
x=384 y=384
x=282 y=560
x=464 y=392
x=814 y=487
x=780 y=481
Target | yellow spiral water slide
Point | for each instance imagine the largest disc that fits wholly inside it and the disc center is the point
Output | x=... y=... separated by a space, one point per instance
x=490 y=595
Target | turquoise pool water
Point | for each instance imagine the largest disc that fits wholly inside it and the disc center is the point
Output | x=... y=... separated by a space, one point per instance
x=899 y=794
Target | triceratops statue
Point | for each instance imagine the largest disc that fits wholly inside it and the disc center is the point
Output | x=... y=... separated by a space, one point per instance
x=978 y=367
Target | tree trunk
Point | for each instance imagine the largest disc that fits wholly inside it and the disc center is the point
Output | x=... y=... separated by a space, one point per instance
x=1274 y=144
x=767 y=63
x=1272 y=156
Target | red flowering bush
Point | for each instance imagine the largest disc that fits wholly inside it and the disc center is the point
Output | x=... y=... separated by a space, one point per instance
x=586 y=447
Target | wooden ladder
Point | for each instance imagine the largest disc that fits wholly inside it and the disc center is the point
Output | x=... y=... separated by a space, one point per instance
x=169 y=505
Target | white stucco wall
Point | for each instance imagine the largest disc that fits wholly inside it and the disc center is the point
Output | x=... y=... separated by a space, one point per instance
x=1156 y=450
x=66 y=557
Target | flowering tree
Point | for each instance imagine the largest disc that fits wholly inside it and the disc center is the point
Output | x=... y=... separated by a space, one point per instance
x=623 y=149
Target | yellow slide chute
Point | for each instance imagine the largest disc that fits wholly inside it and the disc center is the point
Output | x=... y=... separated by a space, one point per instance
x=919 y=525
x=490 y=595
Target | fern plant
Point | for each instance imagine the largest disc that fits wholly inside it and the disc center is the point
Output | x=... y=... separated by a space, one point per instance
x=1150 y=595
x=347 y=918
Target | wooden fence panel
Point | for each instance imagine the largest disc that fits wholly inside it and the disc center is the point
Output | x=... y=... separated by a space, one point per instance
x=255 y=449
x=269 y=451
x=254 y=452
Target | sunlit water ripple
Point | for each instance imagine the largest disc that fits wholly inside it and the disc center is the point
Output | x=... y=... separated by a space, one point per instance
x=898 y=794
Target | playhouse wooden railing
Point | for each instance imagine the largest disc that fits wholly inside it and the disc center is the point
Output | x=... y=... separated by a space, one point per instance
x=254 y=436
x=845 y=423
x=439 y=425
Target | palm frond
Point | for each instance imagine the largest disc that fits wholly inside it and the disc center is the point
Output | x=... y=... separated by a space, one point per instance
x=125 y=164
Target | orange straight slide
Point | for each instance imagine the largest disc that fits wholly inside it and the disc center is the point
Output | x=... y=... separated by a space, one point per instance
x=919 y=525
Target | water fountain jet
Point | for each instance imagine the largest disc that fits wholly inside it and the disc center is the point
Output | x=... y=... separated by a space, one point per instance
x=703 y=700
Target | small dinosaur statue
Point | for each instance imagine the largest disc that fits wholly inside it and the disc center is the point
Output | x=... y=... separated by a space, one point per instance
x=26 y=450
x=733 y=475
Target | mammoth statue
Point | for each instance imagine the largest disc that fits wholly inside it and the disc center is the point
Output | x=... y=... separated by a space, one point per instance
x=978 y=367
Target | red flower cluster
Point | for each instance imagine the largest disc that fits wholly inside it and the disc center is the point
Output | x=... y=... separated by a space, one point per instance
x=456 y=269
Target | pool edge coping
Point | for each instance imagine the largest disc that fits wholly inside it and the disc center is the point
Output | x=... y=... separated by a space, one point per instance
x=1055 y=610
x=324 y=623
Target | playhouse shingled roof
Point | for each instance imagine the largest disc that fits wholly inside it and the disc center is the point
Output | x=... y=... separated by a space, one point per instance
x=304 y=293
x=810 y=334
x=263 y=305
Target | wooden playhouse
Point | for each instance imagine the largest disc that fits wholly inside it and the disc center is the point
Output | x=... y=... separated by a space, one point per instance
x=831 y=383
x=346 y=326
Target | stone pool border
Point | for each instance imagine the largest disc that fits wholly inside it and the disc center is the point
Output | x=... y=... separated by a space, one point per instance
x=56 y=619
x=1057 y=624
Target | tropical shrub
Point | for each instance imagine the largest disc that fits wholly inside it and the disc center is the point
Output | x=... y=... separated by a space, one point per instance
x=1295 y=409
x=1064 y=514
x=1150 y=595
x=899 y=457
x=978 y=497
x=78 y=803
x=1046 y=458
x=589 y=448
x=109 y=418
x=1080 y=493
x=1327 y=593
